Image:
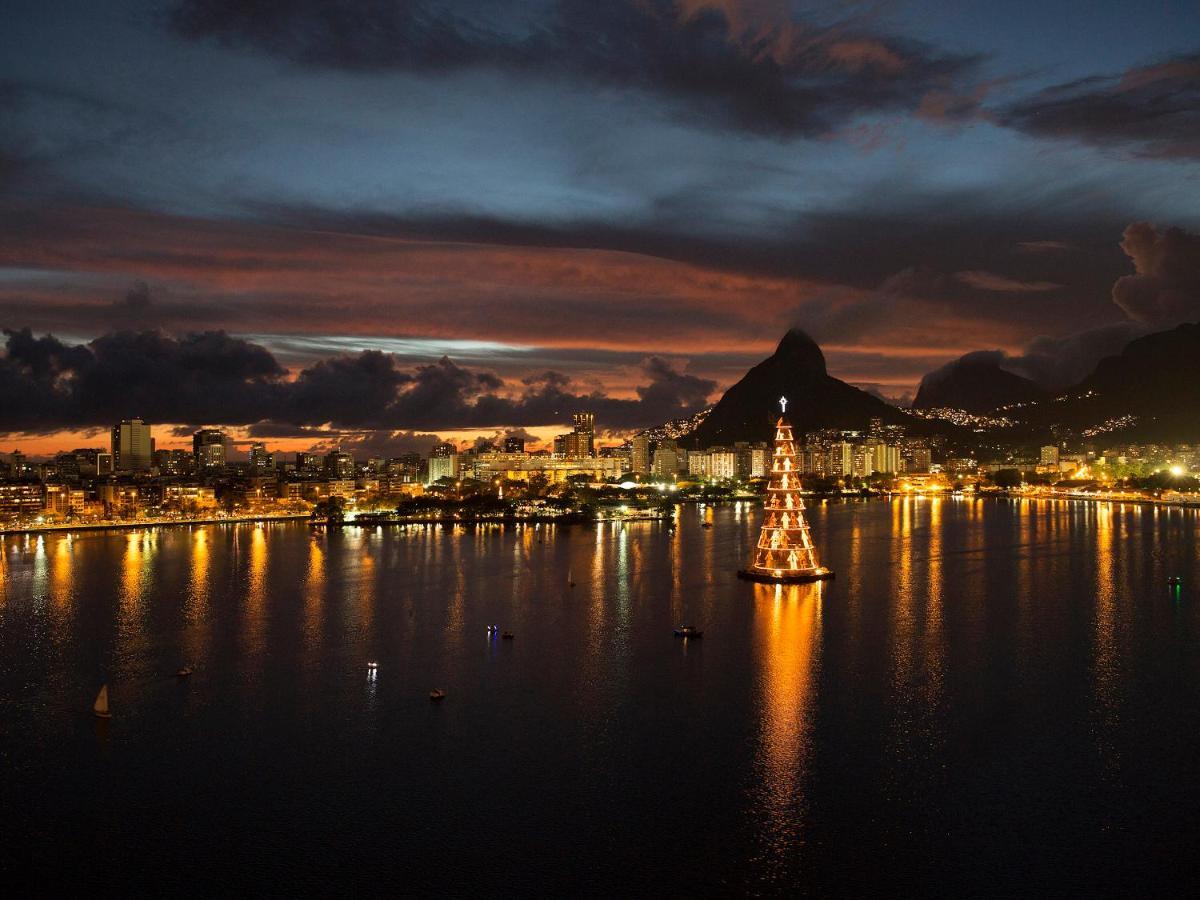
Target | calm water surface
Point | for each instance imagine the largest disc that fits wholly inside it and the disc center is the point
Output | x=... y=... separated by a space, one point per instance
x=993 y=697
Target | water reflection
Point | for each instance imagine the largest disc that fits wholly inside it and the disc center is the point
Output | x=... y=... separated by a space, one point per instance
x=1107 y=677
x=137 y=567
x=196 y=605
x=254 y=623
x=314 y=594
x=787 y=625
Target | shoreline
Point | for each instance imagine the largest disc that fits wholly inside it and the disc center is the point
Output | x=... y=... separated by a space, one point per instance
x=568 y=519
x=152 y=523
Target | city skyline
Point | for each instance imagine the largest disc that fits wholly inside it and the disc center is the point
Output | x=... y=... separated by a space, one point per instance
x=483 y=214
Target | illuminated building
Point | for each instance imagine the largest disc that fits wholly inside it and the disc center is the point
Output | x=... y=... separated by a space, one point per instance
x=174 y=462
x=751 y=460
x=443 y=463
x=784 y=551
x=840 y=459
x=919 y=459
x=308 y=463
x=1049 y=456
x=260 y=460
x=210 y=446
x=132 y=446
x=514 y=445
x=714 y=463
x=640 y=461
x=21 y=499
x=886 y=459
x=339 y=464
x=669 y=460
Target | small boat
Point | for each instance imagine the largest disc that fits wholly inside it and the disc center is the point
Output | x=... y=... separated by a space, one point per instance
x=437 y=694
x=1174 y=580
x=493 y=629
x=507 y=636
x=688 y=631
x=706 y=524
x=184 y=672
x=100 y=707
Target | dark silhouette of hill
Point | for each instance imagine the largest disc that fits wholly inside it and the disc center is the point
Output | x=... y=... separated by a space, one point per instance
x=795 y=370
x=976 y=383
x=1155 y=378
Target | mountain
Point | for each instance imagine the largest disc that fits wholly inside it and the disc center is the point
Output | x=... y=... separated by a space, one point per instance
x=795 y=370
x=976 y=383
x=1156 y=379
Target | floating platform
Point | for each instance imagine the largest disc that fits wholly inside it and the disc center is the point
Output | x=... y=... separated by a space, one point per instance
x=768 y=576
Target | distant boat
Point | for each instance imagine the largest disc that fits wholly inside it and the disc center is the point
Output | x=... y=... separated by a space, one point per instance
x=706 y=524
x=493 y=629
x=184 y=672
x=507 y=636
x=100 y=707
x=1174 y=580
x=437 y=694
x=688 y=631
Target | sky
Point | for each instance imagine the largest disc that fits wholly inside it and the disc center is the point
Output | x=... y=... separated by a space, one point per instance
x=368 y=223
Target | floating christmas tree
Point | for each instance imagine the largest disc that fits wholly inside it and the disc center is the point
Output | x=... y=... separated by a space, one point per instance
x=785 y=551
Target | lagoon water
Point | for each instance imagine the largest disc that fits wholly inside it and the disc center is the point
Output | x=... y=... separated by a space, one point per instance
x=992 y=697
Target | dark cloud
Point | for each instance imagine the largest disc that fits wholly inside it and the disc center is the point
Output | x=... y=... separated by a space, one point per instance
x=1059 y=362
x=886 y=393
x=1152 y=110
x=213 y=378
x=672 y=390
x=769 y=75
x=1166 y=286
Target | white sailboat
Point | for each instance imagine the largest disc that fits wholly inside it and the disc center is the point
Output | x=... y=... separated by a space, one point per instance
x=100 y=707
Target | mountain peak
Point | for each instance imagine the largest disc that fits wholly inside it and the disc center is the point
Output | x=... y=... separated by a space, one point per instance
x=795 y=370
x=799 y=350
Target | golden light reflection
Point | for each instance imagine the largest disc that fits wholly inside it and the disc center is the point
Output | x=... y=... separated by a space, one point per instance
x=195 y=639
x=132 y=569
x=198 y=586
x=314 y=593
x=62 y=582
x=256 y=589
x=935 y=650
x=787 y=626
x=136 y=566
x=1107 y=674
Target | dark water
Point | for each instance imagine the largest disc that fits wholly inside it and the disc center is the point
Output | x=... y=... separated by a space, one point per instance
x=992 y=698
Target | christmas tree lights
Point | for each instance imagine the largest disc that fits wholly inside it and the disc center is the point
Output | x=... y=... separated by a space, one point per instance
x=784 y=552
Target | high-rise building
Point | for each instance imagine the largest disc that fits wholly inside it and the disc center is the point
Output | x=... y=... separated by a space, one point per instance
x=585 y=422
x=339 y=465
x=132 y=446
x=260 y=460
x=443 y=463
x=513 y=444
x=919 y=459
x=640 y=459
x=886 y=459
x=308 y=463
x=174 y=462
x=864 y=461
x=210 y=446
x=840 y=459
x=1049 y=455
x=669 y=460
x=721 y=463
